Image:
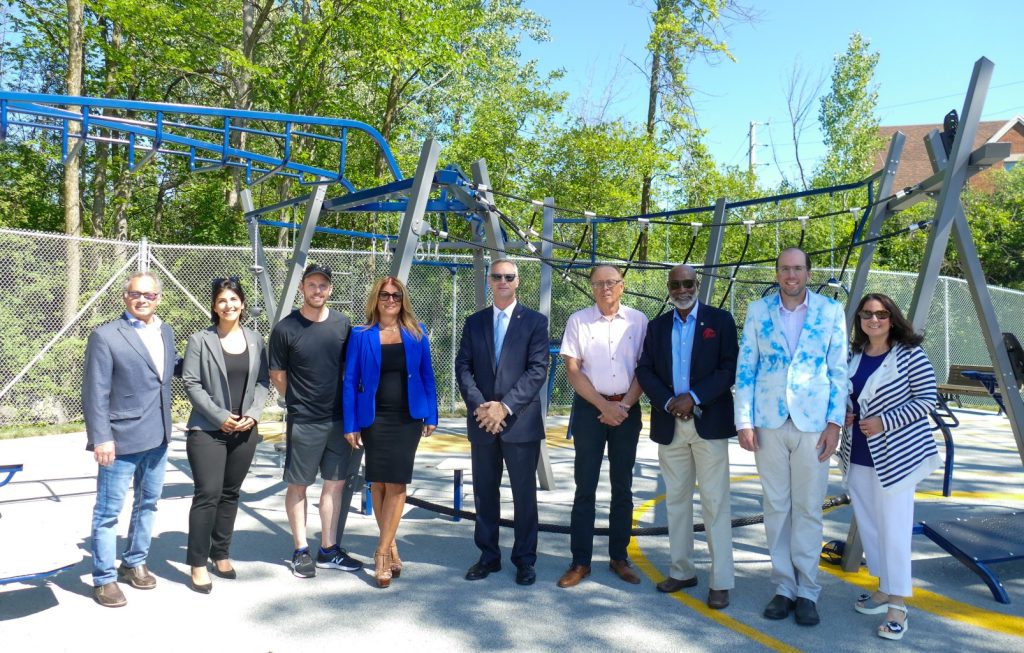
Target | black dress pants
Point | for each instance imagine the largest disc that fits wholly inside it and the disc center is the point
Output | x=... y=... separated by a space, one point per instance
x=220 y=462
x=520 y=459
x=589 y=436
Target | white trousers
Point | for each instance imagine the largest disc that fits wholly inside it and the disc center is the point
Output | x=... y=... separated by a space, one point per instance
x=885 y=521
x=794 y=483
x=689 y=458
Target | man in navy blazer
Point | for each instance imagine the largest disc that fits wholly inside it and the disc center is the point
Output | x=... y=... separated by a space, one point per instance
x=687 y=369
x=126 y=401
x=501 y=367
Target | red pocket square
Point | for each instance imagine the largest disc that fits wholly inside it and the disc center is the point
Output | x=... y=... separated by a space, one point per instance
x=709 y=333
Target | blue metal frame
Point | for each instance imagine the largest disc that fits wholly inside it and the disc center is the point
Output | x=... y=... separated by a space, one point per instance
x=42 y=111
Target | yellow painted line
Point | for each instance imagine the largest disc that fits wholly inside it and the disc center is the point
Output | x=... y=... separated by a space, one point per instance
x=698 y=606
x=942 y=606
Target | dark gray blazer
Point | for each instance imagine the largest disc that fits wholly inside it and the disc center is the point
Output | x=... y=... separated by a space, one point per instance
x=206 y=380
x=125 y=399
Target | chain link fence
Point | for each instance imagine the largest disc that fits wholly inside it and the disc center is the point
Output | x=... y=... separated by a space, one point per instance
x=42 y=341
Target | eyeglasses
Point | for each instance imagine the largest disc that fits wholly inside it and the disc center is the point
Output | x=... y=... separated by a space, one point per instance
x=676 y=284
x=609 y=283
x=135 y=294
x=795 y=269
x=390 y=296
x=867 y=315
x=509 y=278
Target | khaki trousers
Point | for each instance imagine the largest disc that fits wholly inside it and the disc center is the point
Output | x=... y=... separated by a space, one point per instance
x=689 y=458
x=794 y=484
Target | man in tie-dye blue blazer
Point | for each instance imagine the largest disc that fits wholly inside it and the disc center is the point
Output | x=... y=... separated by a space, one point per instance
x=790 y=404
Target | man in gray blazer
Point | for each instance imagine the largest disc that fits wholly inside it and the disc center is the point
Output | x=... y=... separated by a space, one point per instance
x=126 y=400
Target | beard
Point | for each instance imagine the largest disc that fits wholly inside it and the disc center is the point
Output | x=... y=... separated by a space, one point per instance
x=683 y=303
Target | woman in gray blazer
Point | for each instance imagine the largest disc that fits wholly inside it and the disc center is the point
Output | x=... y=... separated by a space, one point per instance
x=226 y=379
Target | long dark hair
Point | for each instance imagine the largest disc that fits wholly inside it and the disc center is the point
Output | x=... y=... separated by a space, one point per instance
x=900 y=329
x=218 y=286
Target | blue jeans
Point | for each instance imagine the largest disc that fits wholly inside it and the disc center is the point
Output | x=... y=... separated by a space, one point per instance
x=145 y=471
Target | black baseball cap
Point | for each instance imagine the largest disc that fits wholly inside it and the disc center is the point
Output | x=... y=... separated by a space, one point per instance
x=314 y=268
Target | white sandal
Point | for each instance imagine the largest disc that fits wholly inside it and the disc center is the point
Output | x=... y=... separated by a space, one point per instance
x=893 y=629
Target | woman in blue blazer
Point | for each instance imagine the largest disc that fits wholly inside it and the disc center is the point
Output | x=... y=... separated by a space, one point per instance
x=887 y=449
x=390 y=401
x=226 y=379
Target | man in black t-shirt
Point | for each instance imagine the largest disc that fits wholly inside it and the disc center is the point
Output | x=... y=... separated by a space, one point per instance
x=307 y=352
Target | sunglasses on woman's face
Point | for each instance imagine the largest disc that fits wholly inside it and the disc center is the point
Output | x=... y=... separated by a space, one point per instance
x=867 y=315
x=389 y=296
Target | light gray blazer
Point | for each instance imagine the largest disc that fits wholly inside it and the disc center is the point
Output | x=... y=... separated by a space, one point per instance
x=206 y=380
x=125 y=399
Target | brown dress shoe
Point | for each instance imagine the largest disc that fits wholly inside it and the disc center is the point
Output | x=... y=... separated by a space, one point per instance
x=718 y=599
x=574 y=575
x=670 y=584
x=622 y=570
x=138 y=577
x=109 y=595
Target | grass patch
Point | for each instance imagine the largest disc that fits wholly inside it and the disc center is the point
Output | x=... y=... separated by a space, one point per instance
x=30 y=430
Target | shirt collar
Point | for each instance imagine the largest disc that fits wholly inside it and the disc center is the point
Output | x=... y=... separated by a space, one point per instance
x=598 y=315
x=691 y=316
x=803 y=305
x=136 y=323
x=507 y=311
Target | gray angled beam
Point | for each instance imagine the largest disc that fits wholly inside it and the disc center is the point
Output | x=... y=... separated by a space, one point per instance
x=879 y=214
x=714 y=253
x=544 y=473
x=492 y=227
x=263 y=271
x=949 y=196
x=297 y=263
x=412 y=221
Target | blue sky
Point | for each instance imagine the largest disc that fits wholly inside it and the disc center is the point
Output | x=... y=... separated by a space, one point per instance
x=928 y=50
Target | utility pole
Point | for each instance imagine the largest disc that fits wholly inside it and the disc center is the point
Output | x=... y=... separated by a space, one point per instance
x=752 y=150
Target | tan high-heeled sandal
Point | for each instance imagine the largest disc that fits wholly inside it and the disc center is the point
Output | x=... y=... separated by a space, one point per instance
x=396 y=562
x=382 y=562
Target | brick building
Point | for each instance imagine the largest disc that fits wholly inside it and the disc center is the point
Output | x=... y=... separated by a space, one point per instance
x=914 y=163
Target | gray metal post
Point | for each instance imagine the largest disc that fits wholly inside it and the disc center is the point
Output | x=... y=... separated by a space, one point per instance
x=263 y=273
x=544 y=473
x=492 y=228
x=297 y=263
x=479 y=273
x=949 y=196
x=879 y=214
x=714 y=253
x=412 y=221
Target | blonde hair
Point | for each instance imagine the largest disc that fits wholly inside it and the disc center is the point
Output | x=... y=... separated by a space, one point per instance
x=406 y=317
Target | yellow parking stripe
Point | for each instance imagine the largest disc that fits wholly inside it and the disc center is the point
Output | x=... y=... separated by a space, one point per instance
x=698 y=606
x=942 y=606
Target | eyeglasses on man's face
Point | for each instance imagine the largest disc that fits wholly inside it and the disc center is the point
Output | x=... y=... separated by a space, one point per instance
x=135 y=294
x=867 y=315
x=390 y=296
x=607 y=283
x=792 y=269
x=676 y=284
x=508 y=278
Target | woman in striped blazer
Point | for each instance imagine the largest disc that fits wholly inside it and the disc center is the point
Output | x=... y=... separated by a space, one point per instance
x=887 y=449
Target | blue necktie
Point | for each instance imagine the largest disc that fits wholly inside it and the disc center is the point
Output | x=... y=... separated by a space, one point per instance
x=499 y=333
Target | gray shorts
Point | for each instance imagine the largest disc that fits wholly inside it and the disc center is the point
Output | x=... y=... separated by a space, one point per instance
x=319 y=446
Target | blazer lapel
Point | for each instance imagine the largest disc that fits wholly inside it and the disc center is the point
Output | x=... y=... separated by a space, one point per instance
x=813 y=308
x=212 y=342
x=373 y=335
x=133 y=339
x=253 y=346
x=488 y=331
x=510 y=330
x=774 y=308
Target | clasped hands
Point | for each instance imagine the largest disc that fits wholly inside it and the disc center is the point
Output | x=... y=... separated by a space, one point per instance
x=681 y=406
x=234 y=424
x=869 y=426
x=490 y=416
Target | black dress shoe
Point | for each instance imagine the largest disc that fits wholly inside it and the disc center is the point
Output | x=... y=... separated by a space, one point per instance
x=482 y=570
x=204 y=588
x=779 y=607
x=230 y=574
x=526 y=575
x=806 y=612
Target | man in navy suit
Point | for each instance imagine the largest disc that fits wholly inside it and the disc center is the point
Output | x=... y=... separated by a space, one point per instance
x=687 y=369
x=126 y=402
x=501 y=366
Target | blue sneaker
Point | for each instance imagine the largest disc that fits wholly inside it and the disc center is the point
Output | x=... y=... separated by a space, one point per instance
x=337 y=558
